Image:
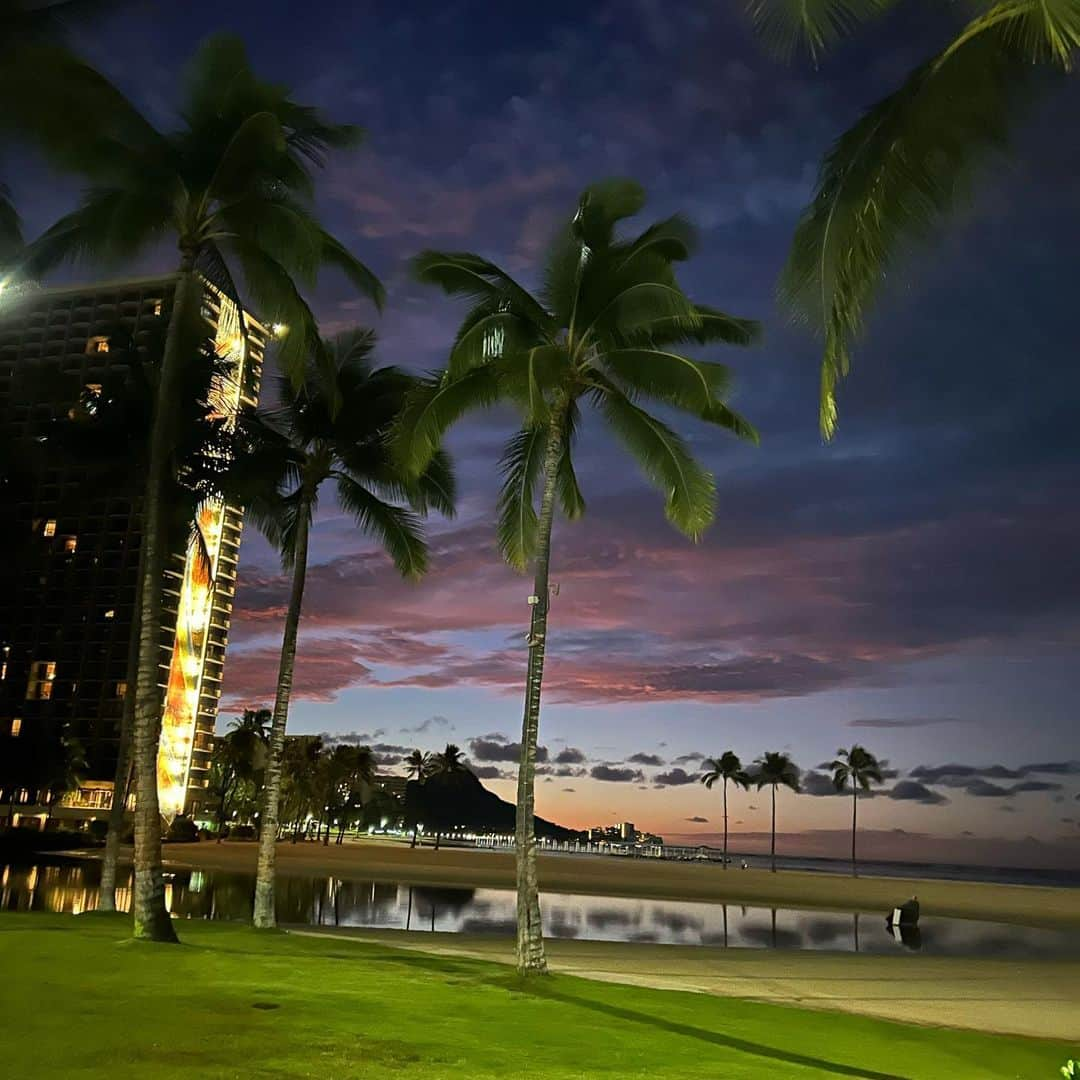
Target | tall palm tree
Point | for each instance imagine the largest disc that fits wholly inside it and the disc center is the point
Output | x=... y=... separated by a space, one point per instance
x=231 y=188
x=859 y=766
x=331 y=427
x=600 y=332
x=727 y=767
x=418 y=764
x=908 y=161
x=65 y=770
x=773 y=770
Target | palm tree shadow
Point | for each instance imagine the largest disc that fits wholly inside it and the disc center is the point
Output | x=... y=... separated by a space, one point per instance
x=716 y=1038
x=544 y=988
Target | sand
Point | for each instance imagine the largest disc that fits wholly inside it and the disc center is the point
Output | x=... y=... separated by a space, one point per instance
x=644 y=878
x=1034 y=998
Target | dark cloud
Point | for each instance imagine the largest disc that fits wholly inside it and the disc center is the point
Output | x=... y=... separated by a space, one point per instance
x=685 y=759
x=491 y=772
x=645 y=759
x=674 y=778
x=571 y=755
x=911 y=791
x=698 y=820
x=616 y=775
x=1035 y=785
x=910 y=722
x=432 y=723
x=985 y=790
x=818 y=783
x=569 y=789
x=487 y=748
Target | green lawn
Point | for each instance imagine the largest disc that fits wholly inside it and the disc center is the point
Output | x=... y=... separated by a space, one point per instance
x=79 y=999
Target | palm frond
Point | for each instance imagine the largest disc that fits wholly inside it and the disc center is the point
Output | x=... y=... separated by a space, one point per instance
x=714 y=326
x=885 y=183
x=11 y=239
x=436 y=489
x=674 y=239
x=397 y=530
x=431 y=407
x=810 y=26
x=689 y=489
x=566 y=484
x=667 y=376
x=335 y=254
x=603 y=205
x=1041 y=31
x=488 y=336
x=521 y=464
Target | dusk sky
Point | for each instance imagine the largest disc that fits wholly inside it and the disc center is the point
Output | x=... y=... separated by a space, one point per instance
x=913 y=586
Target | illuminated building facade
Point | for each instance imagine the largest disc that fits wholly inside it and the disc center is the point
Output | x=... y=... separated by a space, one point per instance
x=70 y=546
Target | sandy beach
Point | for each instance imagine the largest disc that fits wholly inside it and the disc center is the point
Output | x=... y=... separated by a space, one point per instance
x=649 y=879
x=1038 y=998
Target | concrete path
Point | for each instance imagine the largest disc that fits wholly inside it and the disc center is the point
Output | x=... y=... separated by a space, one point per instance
x=1034 y=998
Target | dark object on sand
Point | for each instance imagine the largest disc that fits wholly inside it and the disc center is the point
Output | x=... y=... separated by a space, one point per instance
x=907 y=914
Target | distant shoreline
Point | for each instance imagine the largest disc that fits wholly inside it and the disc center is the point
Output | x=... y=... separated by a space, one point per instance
x=598 y=875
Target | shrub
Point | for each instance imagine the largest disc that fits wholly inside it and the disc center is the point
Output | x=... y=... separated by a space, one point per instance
x=182 y=831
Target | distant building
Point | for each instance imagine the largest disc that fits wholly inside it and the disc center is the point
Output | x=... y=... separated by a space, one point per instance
x=71 y=539
x=392 y=785
x=627 y=832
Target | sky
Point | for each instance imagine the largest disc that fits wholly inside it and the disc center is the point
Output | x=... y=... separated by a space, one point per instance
x=912 y=587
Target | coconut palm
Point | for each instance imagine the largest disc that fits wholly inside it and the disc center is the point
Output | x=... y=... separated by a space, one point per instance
x=862 y=769
x=418 y=764
x=331 y=428
x=727 y=767
x=451 y=759
x=231 y=188
x=600 y=332
x=773 y=770
x=909 y=160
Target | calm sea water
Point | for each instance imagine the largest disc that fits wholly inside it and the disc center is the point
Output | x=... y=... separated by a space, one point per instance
x=72 y=887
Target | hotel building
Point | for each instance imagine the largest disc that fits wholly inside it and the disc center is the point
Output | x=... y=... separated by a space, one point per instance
x=70 y=546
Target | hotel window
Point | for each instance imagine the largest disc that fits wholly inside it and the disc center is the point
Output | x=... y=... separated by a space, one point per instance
x=50 y=528
x=98 y=344
x=157 y=307
x=16 y=727
x=70 y=544
x=121 y=689
x=110 y=614
x=40 y=686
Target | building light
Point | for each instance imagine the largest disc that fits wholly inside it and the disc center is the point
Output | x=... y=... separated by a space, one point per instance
x=110 y=614
x=16 y=727
x=40 y=685
x=70 y=544
x=50 y=528
x=97 y=344
x=121 y=689
x=279 y=329
x=157 y=307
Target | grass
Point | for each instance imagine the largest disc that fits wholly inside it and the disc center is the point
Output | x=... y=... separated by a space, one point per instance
x=80 y=999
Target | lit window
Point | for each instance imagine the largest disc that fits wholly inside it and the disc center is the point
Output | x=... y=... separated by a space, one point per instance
x=42 y=674
x=16 y=727
x=110 y=614
x=70 y=544
x=98 y=344
x=121 y=689
x=50 y=527
x=157 y=307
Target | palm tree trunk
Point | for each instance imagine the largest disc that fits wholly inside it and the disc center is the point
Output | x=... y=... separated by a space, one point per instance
x=263 y=915
x=772 y=843
x=122 y=777
x=530 y=940
x=151 y=918
x=724 y=863
x=854 y=816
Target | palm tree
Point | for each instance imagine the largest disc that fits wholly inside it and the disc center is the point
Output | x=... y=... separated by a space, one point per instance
x=231 y=188
x=451 y=759
x=333 y=426
x=772 y=770
x=600 y=332
x=64 y=771
x=863 y=769
x=239 y=756
x=726 y=767
x=418 y=764
x=908 y=160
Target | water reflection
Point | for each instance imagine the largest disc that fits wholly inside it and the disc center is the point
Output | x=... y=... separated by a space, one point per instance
x=72 y=888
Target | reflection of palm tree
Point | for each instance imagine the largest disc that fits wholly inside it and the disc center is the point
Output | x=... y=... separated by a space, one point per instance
x=771 y=770
x=726 y=767
x=862 y=769
x=906 y=163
